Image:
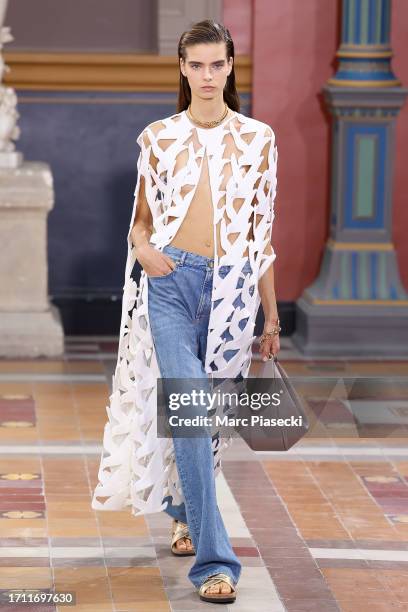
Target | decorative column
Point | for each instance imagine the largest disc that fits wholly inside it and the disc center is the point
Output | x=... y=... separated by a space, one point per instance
x=357 y=305
x=29 y=325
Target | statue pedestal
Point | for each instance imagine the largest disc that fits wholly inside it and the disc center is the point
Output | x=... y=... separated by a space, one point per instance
x=29 y=325
x=356 y=306
x=12 y=159
x=359 y=331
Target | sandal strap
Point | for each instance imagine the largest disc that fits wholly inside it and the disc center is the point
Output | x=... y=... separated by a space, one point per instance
x=212 y=580
x=180 y=530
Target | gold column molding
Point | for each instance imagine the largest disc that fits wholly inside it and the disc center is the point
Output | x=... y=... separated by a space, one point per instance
x=104 y=71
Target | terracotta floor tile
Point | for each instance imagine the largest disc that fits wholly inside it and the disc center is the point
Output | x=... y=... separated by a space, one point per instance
x=102 y=607
x=321 y=533
x=136 y=584
x=90 y=584
x=23 y=527
x=310 y=605
x=397 y=582
x=354 y=582
x=356 y=604
x=14 y=388
x=142 y=606
x=344 y=563
x=312 y=588
x=29 y=578
x=378 y=534
x=402 y=531
x=290 y=563
x=122 y=518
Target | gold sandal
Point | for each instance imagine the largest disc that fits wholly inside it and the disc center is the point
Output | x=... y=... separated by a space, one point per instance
x=218 y=597
x=180 y=530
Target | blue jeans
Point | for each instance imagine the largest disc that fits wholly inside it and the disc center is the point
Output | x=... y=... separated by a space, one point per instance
x=179 y=306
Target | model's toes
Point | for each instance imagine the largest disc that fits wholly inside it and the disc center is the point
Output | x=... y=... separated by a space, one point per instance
x=222 y=587
x=189 y=544
x=181 y=545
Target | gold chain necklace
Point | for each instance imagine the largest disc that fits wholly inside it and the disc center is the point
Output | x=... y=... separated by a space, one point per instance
x=208 y=124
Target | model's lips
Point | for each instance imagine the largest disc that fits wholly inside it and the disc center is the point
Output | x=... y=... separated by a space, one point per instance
x=208 y=87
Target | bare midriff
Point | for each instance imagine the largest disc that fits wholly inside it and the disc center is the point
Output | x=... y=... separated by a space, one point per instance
x=196 y=233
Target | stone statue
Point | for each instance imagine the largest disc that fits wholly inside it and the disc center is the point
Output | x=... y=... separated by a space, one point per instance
x=9 y=130
x=30 y=325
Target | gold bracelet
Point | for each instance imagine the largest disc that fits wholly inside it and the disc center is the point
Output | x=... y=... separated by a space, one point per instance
x=275 y=331
x=269 y=334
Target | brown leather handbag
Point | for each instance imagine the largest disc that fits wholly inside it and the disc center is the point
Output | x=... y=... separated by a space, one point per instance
x=291 y=420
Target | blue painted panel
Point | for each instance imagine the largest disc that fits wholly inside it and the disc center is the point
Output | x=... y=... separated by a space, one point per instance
x=377 y=221
x=345 y=33
x=357 y=22
x=354 y=281
x=358 y=75
x=371 y=21
x=383 y=21
x=373 y=274
x=376 y=60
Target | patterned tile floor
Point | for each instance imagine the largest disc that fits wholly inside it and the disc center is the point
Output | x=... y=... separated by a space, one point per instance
x=321 y=527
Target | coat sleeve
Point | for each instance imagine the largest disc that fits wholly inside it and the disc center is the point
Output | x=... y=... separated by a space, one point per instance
x=266 y=199
x=272 y=184
x=146 y=141
x=145 y=171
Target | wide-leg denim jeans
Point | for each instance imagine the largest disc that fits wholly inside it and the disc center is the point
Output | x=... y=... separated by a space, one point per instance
x=179 y=306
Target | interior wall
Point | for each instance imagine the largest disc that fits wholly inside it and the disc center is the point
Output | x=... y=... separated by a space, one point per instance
x=294 y=46
x=237 y=17
x=82 y=26
x=399 y=37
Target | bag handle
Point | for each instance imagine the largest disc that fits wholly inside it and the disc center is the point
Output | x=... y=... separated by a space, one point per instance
x=274 y=360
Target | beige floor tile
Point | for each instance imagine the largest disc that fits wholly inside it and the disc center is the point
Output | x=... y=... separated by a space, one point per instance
x=73 y=527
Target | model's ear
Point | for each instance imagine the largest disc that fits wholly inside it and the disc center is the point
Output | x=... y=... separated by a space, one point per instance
x=231 y=63
x=181 y=61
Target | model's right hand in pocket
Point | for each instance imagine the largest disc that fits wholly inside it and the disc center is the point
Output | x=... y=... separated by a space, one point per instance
x=154 y=262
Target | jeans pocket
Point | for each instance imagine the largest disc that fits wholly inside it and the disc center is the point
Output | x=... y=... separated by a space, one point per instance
x=173 y=271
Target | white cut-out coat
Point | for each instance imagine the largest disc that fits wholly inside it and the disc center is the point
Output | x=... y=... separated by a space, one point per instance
x=137 y=468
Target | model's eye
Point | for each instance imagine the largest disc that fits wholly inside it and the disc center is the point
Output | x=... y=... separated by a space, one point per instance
x=194 y=66
x=218 y=66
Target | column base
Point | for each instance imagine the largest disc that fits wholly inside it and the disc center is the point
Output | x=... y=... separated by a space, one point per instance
x=351 y=330
x=31 y=334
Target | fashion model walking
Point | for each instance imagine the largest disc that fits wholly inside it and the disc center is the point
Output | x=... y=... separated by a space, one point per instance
x=201 y=230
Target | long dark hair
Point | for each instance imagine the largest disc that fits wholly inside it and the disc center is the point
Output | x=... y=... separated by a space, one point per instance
x=207 y=31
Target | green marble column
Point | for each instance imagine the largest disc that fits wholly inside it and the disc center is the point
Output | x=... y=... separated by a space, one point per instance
x=358 y=305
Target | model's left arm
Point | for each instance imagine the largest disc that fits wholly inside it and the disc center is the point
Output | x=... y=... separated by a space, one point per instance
x=266 y=284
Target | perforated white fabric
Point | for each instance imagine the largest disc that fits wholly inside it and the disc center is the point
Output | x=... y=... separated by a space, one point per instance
x=137 y=468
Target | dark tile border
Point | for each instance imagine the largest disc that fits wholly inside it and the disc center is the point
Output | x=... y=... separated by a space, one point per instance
x=300 y=583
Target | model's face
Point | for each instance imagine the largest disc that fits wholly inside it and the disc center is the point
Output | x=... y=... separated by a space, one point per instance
x=206 y=68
